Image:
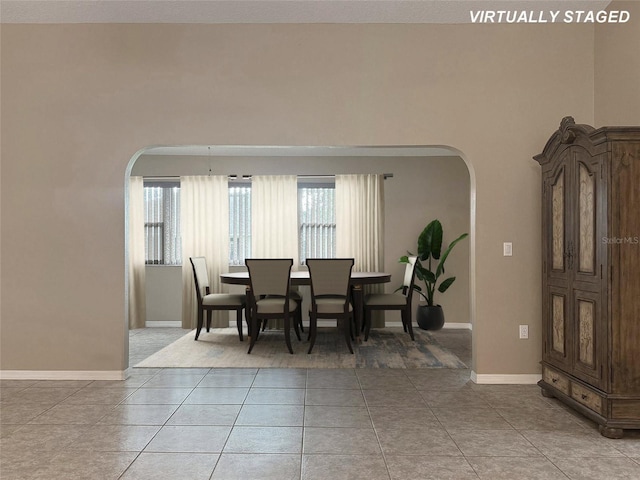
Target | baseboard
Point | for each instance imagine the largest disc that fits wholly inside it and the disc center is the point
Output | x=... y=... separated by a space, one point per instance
x=508 y=379
x=163 y=323
x=63 y=374
x=463 y=326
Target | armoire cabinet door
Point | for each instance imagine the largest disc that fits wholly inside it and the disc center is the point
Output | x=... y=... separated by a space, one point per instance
x=590 y=195
x=557 y=345
x=589 y=338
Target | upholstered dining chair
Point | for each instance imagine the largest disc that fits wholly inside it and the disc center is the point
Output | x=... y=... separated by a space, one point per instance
x=296 y=296
x=393 y=301
x=330 y=296
x=270 y=296
x=214 y=301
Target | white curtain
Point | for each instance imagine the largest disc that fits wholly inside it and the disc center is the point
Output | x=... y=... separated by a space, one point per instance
x=360 y=225
x=274 y=217
x=204 y=225
x=137 y=291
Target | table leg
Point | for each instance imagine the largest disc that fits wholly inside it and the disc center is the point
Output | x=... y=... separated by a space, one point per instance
x=358 y=309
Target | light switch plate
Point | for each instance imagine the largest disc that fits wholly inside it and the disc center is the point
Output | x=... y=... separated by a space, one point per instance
x=507 y=249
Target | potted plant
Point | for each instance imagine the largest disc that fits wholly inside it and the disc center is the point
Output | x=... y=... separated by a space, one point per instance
x=429 y=315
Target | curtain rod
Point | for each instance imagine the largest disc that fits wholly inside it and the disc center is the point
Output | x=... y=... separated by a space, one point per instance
x=245 y=177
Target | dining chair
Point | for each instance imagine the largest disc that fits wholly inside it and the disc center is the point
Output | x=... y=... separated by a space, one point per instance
x=393 y=301
x=330 y=296
x=214 y=301
x=270 y=296
x=296 y=296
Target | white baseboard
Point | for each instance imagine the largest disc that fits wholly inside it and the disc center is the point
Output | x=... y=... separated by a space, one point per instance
x=63 y=374
x=163 y=323
x=508 y=379
x=464 y=326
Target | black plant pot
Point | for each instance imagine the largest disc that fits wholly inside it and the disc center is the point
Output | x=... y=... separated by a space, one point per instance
x=430 y=317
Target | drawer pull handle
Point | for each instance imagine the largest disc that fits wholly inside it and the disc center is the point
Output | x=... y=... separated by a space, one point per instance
x=584 y=396
x=554 y=380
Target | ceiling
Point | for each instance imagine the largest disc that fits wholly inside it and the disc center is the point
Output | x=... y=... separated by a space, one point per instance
x=269 y=11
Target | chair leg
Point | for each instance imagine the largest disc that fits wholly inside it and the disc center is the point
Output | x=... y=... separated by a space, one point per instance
x=347 y=332
x=313 y=330
x=406 y=319
x=299 y=317
x=239 y=322
x=254 y=329
x=200 y=320
x=296 y=327
x=287 y=333
x=209 y=315
x=367 y=323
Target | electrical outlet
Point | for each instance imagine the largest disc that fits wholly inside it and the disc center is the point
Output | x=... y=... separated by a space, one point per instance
x=507 y=249
x=524 y=331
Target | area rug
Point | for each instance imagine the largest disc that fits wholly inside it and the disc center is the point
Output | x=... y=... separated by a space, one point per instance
x=386 y=348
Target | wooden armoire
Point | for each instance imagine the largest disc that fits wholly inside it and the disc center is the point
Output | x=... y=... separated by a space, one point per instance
x=591 y=272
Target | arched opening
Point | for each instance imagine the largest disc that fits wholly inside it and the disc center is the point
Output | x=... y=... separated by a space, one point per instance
x=428 y=182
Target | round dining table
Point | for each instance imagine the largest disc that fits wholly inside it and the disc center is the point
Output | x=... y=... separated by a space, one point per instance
x=358 y=280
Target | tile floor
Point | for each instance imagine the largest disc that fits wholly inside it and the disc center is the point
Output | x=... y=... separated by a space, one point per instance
x=300 y=424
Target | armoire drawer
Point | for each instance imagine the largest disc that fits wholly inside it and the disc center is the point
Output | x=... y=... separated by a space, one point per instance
x=556 y=379
x=586 y=397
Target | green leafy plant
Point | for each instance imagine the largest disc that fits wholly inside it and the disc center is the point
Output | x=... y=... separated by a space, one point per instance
x=430 y=252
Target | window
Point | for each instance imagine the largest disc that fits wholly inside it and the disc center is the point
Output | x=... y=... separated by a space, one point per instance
x=239 y=223
x=162 y=223
x=317 y=221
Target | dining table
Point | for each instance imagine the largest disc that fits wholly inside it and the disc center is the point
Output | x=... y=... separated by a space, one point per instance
x=301 y=277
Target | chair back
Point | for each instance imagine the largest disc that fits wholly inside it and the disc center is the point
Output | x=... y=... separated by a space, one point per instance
x=200 y=275
x=269 y=276
x=409 y=278
x=330 y=276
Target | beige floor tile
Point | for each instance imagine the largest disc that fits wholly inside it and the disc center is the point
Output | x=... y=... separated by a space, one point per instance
x=237 y=466
x=569 y=444
x=393 y=398
x=271 y=415
x=493 y=443
x=217 y=396
x=511 y=468
x=416 y=441
x=335 y=397
x=189 y=438
x=218 y=380
x=158 y=396
x=71 y=466
x=43 y=437
x=173 y=380
x=171 y=466
x=114 y=438
x=332 y=416
x=96 y=396
x=589 y=468
x=403 y=417
x=281 y=396
x=20 y=413
x=65 y=414
x=264 y=440
x=138 y=415
x=344 y=467
x=471 y=418
x=205 y=415
x=340 y=441
x=430 y=467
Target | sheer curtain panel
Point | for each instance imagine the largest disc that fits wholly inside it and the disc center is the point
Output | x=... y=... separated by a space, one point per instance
x=137 y=291
x=204 y=217
x=274 y=217
x=360 y=225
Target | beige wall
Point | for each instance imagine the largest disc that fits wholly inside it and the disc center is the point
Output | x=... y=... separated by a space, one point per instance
x=617 y=72
x=421 y=189
x=79 y=100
